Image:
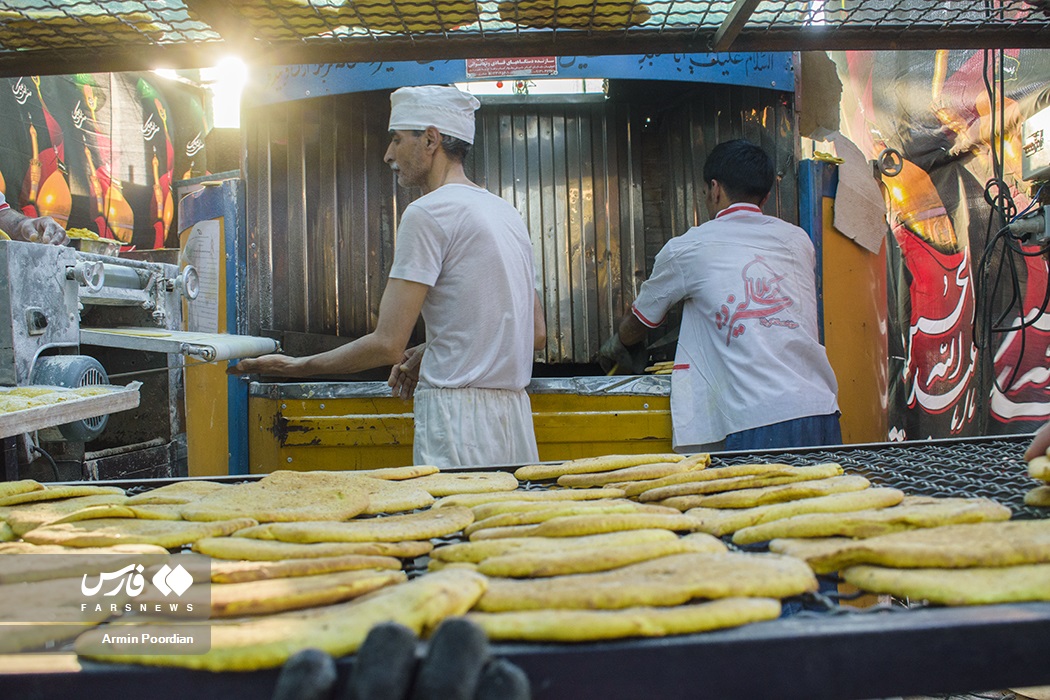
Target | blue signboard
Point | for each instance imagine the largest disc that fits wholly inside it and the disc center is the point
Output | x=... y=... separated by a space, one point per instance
x=287 y=83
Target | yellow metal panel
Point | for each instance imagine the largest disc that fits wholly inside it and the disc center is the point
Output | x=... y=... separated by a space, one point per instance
x=367 y=433
x=855 y=327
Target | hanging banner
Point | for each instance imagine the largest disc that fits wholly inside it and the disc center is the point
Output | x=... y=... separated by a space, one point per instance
x=100 y=151
x=968 y=340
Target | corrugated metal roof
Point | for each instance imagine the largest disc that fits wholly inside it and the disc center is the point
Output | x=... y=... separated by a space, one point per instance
x=67 y=36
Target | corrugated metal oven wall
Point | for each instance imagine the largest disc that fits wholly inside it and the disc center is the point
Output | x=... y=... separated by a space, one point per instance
x=602 y=185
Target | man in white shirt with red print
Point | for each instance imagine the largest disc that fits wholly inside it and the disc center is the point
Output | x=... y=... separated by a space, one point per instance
x=463 y=260
x=749 y=370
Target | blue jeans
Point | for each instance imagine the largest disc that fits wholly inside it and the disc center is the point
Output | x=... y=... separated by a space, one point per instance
x=801 y=432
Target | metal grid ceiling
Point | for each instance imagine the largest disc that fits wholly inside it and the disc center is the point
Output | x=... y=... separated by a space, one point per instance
x=65 y=36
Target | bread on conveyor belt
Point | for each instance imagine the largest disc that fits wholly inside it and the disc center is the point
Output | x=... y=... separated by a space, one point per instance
x=590 y=465
x=477 y=551
x=244 y=571
x=280 y=594
x=951 y=546
x=106 y=531
x=642 y=472
x=13 y=488
x=267 y=642
x=25 y=517
x=285 y=496
x=1038 y=497
x=177 y=493
x=484 y=511
x=391 y=496
x=594 y=625
x=562 y=508
x=474 y=499
x=608 y=15
x=579 y=525
x=749 y=498
x=28 y=565
x=540 y=564
x=1039 y=468
x=708 y=474
x=52 y=601
x=449 y=483
x=671 y=580
x=787 y=475
x=6 y=533
x=54 y=493
x=726 y=521
x=243 y=548
x=980 y=586
x=912 y=513
x=397 y=473
x=436 y=522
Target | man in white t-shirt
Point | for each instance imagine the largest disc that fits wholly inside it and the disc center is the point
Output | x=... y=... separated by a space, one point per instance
x=749 y=370
x=463 y=260
x=20 y=227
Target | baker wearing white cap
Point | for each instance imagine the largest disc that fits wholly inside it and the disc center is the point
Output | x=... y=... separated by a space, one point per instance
x=463 y=260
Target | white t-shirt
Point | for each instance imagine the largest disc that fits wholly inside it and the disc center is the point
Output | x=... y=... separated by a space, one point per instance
x=748 y=351
x=472 y=249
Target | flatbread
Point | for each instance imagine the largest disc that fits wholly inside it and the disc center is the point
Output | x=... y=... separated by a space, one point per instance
x=594 y=625
x=1039 y=468
x=538 y=564
x=280 y=594
x=952 y=546
x=871 y=523
x=489 y=510
x=1038 y=497
x=709 y=474
x=395 y=496
x=24 y=518
x=53 y=493
x=108 y=531
x=475 y=499
x=749 y=498
x=580 y=525
x=642 y=472
x=671 y=580
x=14 y=488
x=245 y=571
x=119 y=510
x=50 y=564
x=243 y=548
x=590 y=465
x=56 y=601
x=1008 y=584
x=177 y=493
x=726 y=521
x=552 y=510
x=436 y=522
x=786 y=475
x=6 y=533
x=285 y=496
x=477 y=551
x=449 y=483
x=398 y=473
x=267 y=642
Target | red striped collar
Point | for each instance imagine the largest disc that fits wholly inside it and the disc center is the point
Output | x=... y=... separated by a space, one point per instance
x=743 y=206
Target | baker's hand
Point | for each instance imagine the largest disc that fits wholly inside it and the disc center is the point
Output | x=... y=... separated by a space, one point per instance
x=405 y=375
x=277 y=365
x=43 y=229
x=614 y=354
x=457 y=666
x=1040 y=444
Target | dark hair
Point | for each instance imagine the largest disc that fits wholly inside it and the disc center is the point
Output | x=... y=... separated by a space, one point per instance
x=456 y=149
x=743 y=169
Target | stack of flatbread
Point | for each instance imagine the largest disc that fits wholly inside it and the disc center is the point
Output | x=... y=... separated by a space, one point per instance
x=1039 y=469
x=975 y=563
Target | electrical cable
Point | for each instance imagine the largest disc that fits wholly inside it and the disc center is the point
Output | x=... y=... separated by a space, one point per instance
x=50 y=460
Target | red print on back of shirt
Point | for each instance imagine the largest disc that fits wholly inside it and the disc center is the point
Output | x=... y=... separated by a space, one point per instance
x=763 y=297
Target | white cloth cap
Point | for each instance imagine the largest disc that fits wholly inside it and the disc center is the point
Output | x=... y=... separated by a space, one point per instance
x=447 y=108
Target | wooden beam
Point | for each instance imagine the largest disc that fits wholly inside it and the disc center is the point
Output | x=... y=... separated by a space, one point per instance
x=733 y=24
